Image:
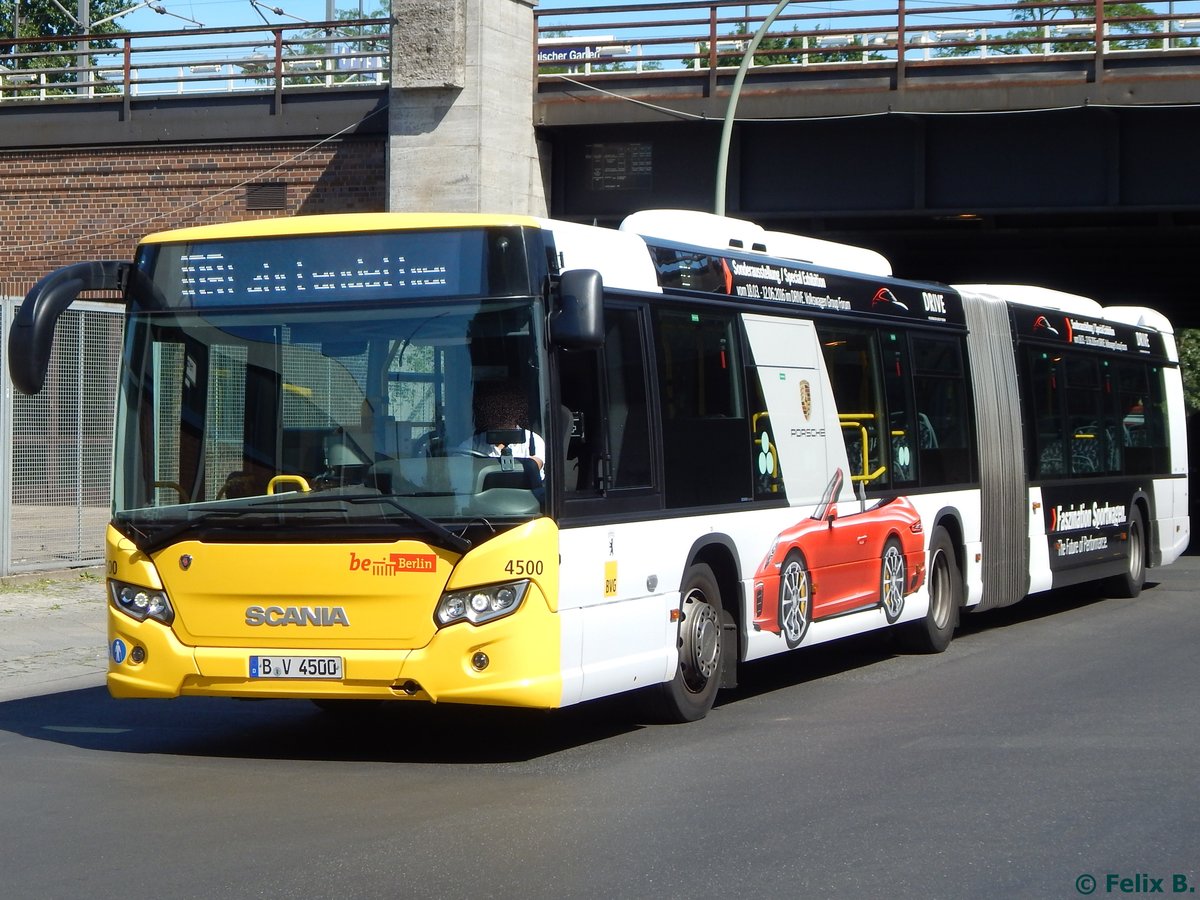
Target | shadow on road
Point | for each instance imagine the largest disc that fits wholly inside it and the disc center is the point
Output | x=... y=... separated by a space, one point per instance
x=295 y=729
x=809 y=664
x=444 y=734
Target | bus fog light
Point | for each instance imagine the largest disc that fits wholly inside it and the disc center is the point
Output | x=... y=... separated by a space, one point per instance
x=481 y=604
x=137 y=655
x=141 y=603
x=480 y=661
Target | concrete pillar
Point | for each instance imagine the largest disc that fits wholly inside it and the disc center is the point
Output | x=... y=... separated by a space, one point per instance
x=461 y=109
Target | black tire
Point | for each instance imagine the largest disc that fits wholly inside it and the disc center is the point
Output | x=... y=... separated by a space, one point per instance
x=795 y=600
x=932 y=634
x=690 y=694
x=1129 y=584
x=892 y=580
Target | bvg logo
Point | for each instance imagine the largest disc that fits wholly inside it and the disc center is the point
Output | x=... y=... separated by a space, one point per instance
x=393 y=563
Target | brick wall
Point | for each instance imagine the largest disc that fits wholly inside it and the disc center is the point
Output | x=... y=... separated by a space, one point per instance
x=75 y=204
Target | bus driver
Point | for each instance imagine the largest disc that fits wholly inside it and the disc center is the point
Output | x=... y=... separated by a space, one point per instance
x=501 y=416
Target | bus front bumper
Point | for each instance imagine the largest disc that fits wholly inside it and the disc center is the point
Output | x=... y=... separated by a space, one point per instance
x=514 y=661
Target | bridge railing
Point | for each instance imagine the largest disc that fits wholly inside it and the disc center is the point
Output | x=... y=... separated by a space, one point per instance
x=206 y=60
x=646 y=37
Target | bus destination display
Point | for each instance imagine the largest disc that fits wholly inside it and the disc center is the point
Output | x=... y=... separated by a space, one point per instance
x=331 y=269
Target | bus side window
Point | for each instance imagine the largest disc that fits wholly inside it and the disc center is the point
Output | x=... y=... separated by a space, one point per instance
x=1141 y=408
x=1049 y=459
x=706 y=457
x=764 y=457
x=606 y=439
x=581 y=445
x=1088 y=419
x=908 y=433
x=945 y=438
x=1156 y=424
x=628 y=414
x=853 y=362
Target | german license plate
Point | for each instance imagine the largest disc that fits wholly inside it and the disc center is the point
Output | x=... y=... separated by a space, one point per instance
x=327 y=667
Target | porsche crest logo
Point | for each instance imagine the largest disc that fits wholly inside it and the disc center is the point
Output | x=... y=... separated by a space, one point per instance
x=806 y=400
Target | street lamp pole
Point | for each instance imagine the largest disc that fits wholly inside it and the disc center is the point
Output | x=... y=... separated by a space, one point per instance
x=731 y=108
x=82 y=59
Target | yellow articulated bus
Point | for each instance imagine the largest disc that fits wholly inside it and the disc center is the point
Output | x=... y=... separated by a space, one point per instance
x=511 y=461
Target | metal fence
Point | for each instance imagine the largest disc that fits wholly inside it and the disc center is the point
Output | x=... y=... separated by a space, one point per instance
x=121 y=65
x=633 y=35
x=56 y=456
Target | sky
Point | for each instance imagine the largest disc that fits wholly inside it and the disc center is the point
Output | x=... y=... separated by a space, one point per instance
x=181 y=14
x=231 y=13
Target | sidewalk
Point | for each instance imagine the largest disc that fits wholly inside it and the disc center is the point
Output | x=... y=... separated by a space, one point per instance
x=52 y=632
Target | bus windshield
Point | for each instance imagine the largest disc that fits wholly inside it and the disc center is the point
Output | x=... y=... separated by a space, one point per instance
x=385 y=420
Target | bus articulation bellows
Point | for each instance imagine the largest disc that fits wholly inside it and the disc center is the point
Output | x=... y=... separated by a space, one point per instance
x=514 y=461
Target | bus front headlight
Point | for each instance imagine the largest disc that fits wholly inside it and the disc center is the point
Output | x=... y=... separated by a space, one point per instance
x=141 y=603
x=481 y=604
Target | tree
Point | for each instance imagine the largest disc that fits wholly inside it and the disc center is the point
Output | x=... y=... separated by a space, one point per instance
x=1189 y=365
x=1050 y=29
x=793 y=50
x=43 y=19
x=349 y=40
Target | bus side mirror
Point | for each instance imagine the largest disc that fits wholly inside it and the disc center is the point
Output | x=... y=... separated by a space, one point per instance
x=578 y=321
x=32 y=335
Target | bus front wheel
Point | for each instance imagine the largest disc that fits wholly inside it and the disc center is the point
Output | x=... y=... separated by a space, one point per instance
x=690 y=694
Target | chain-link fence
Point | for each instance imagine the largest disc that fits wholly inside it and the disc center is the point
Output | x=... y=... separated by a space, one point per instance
x=56 y=456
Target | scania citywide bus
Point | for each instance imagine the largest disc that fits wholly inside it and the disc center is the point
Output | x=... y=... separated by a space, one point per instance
x=736 y=443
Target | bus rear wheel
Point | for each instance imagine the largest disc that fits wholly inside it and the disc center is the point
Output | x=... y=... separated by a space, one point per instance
x=932 y=633
x=690 y=694
x=1129 y=583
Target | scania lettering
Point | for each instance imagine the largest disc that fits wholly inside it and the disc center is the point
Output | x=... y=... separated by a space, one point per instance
x=503 y=460
x=293 y=615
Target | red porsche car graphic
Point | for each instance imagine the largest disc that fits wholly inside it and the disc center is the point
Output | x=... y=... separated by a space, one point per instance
x=832 y=563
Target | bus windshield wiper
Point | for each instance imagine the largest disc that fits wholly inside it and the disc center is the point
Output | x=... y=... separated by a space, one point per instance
x=150 y=543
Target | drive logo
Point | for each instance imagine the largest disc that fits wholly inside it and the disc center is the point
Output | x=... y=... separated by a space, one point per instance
x=393 y=563
x=934 y=303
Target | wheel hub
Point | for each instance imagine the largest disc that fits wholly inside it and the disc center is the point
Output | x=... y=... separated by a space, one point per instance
x=700 y=653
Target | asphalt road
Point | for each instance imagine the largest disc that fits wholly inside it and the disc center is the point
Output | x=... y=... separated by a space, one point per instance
x=1053 y=743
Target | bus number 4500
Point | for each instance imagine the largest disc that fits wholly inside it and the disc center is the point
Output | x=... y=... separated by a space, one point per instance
x=524 y=567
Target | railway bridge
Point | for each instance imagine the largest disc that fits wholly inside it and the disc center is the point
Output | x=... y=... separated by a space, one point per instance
x=1050 y=142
